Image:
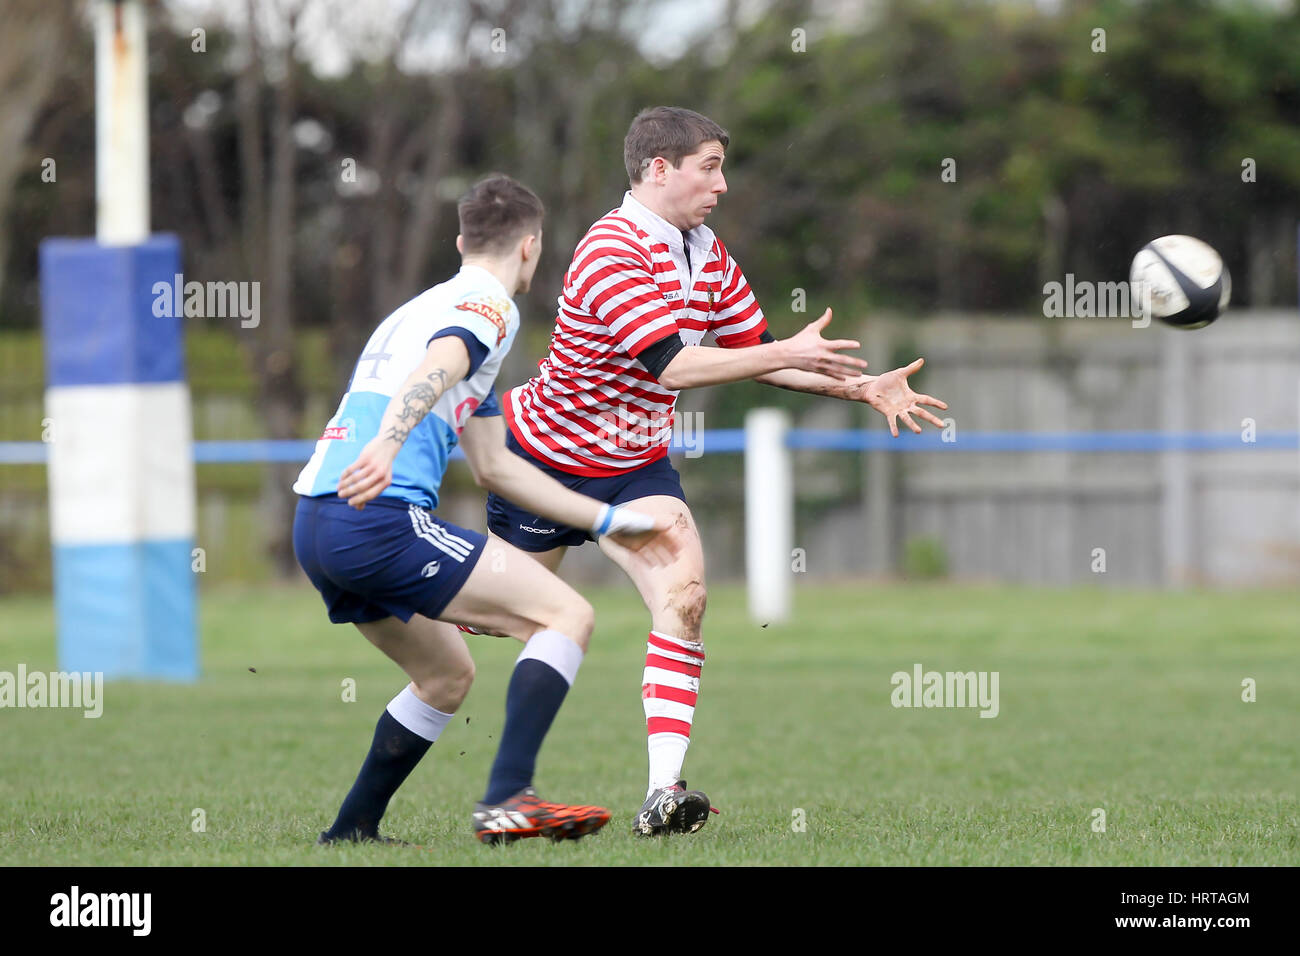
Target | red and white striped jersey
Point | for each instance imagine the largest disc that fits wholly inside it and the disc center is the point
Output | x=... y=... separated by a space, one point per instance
x=593 y=409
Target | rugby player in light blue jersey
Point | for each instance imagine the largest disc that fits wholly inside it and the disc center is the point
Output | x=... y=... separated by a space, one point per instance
x=366 y=534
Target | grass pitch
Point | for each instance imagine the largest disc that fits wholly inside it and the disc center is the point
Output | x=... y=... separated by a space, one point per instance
x=1121 y=701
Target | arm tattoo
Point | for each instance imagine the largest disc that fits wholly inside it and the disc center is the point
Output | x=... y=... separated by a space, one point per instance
x=417 y=403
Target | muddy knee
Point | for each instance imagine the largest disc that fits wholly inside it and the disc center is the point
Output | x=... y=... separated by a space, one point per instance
x=687 y=603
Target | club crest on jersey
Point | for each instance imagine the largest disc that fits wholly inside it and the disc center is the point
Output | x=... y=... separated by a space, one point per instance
x=492 y=309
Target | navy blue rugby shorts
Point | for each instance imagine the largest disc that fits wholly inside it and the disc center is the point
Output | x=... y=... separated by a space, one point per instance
x=391 y=558
x=528 y=531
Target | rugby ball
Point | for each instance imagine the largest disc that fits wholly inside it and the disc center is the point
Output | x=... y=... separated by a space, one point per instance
x=1181 y=281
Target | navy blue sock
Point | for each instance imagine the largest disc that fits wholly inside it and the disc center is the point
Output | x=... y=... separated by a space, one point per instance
x=533 y=699
x=393 y=755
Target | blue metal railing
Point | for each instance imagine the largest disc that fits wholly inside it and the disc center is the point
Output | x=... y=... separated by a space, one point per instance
x=732 y=440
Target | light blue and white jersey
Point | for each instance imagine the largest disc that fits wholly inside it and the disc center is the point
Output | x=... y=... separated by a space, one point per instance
x=474 y=306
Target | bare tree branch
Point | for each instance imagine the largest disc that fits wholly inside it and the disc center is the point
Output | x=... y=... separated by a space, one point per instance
x=36 y=34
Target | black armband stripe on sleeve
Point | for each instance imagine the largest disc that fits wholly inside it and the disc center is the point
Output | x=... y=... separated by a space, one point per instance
x=765 y=336
x=656 y=357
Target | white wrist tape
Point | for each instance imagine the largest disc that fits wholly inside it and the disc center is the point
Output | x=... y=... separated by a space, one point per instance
x=615 y=518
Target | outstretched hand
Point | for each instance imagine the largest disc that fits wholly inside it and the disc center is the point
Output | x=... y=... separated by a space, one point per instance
x=892 y=396
x=808 y=351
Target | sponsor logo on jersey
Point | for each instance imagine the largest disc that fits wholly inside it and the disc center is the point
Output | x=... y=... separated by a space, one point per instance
x=462 y=413
x=492 y=309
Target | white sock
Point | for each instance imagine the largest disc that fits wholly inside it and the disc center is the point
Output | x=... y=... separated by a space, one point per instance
x=669 y=690
x=558 y=650
x=417 y=716
x=667 y=754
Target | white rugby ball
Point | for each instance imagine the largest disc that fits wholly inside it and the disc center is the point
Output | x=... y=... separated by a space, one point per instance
x=1181 y=280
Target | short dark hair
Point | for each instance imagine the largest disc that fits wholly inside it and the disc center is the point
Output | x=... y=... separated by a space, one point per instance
x=496 y=212
x=668 y=131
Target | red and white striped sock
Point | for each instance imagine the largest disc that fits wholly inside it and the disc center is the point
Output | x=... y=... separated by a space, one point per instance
x=668 y=693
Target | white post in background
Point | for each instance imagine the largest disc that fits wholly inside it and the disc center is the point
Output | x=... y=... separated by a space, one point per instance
x=881 y=501
x=769 y=514
x=1176 y=492
x=121 y=124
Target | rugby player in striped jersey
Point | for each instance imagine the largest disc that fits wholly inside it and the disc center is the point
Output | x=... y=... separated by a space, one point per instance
x=367 y=536
x=646 y=284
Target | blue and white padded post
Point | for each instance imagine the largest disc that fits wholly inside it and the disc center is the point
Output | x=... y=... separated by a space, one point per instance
x=121 y=465
x=121 y=458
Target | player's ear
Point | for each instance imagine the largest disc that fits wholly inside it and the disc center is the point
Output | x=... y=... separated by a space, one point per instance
x=460 y=244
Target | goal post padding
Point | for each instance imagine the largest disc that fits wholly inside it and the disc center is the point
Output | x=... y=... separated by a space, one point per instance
x=121 y=460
